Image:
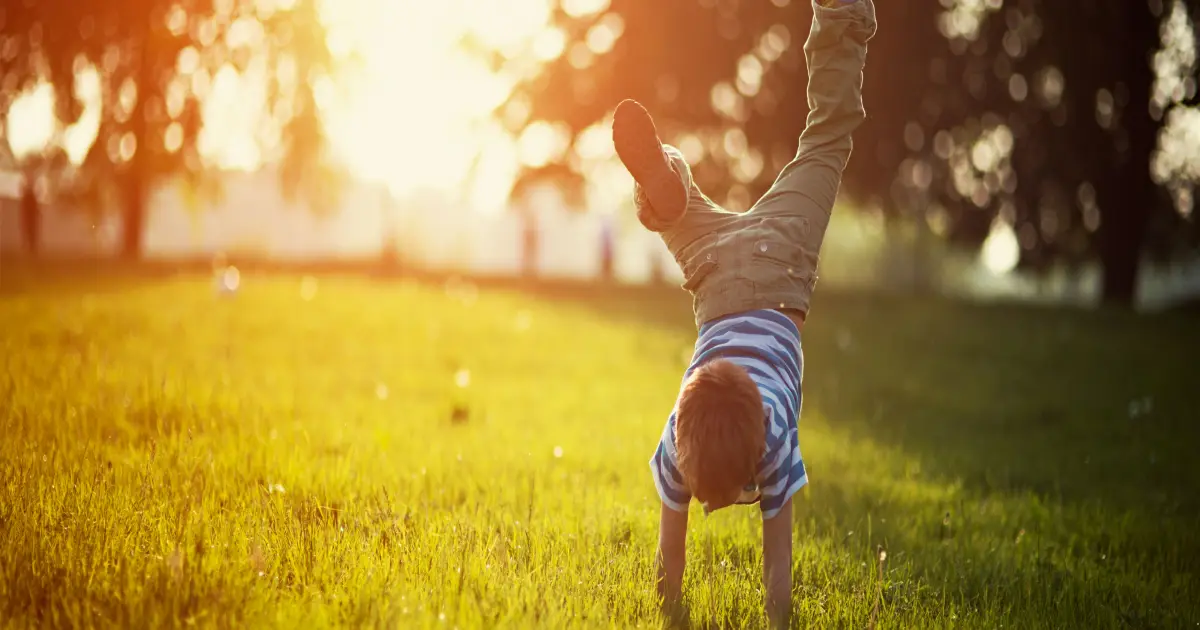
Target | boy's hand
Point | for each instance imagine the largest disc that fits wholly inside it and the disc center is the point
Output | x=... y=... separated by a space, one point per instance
x=670 y=560
x=777 y=566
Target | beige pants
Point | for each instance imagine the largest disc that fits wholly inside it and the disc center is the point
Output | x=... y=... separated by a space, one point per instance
x=767 y=257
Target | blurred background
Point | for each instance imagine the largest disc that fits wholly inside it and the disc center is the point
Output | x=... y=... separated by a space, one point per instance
x=1042 y=150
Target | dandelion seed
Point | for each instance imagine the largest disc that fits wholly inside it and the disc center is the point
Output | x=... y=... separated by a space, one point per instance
x=279 y=488
x=844 y=339
x=558 y=452
x=308 y=288
x=524 y=321
x=381 y=391
x=882 y=556
x=260 y=574
x=462 y=378
x=231 y=279
x=441 y=616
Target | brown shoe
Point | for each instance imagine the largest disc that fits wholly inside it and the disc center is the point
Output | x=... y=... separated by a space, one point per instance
x=641 y=152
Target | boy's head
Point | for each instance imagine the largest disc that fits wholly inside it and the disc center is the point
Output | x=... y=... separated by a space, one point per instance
x=719 y=432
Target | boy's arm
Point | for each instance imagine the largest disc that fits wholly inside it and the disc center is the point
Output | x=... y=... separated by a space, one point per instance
x=777 y=566
x=671 y=557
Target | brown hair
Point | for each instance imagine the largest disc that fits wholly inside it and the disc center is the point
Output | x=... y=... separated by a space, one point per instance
x=719 y=430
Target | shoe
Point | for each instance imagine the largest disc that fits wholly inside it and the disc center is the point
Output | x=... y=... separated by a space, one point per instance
x=642 y=153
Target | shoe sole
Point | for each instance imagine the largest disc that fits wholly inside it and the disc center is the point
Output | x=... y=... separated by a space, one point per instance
x=640 y=150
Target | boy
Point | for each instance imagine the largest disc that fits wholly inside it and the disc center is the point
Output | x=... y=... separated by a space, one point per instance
x=732 y=437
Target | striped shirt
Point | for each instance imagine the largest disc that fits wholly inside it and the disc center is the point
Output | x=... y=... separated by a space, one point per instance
x=766 y=344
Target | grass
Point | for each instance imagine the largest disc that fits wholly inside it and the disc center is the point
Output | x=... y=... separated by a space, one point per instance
x=403 y=454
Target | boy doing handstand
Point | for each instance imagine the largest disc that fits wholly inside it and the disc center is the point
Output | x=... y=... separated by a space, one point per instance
x=732 y=436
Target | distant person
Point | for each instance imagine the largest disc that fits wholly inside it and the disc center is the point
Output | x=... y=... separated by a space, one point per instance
x=30 y=220
x=732 y=437
x=608 y=239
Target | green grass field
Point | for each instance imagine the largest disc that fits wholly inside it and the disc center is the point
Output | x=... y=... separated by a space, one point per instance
x=394 y=454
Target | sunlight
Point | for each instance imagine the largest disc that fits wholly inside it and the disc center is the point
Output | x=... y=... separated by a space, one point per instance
x=1001 y=251
x=414 y=114
x=31 y=120
x=417 y=113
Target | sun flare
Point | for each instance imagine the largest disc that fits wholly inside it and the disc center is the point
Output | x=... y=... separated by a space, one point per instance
x=416 y=113
x=408 y=106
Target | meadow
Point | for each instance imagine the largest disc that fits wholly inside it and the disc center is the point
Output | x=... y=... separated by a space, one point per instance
x=354 y=451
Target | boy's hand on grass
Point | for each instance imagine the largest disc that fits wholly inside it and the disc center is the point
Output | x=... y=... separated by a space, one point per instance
x=777 y=567
x=676 y=614
x=669 y=562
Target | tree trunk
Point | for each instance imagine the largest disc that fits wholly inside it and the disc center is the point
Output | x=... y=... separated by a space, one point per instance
x=136 y=180
x=1131 y=194
x=133 y=217
x=30 y=218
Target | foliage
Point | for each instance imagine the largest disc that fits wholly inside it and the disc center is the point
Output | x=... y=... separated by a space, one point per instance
x=148 y=66
x=1045 y=114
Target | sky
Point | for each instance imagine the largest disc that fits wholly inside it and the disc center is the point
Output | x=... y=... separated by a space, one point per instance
x=415 y=114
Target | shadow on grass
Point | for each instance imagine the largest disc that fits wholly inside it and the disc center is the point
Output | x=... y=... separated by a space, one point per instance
x=1069 y=405
x=1040 y=455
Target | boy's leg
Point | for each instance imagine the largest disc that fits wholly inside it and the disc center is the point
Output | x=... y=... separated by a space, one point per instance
x=668 y=200
x=835 y=52
x=662 y=193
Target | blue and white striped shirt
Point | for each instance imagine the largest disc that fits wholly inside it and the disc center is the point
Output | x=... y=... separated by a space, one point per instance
x=766 y=344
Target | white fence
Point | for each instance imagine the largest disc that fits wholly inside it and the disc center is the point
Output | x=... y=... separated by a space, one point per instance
x=252 y=217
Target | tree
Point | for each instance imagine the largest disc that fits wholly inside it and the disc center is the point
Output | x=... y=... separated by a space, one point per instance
x=729 y=75
x=1063 y=130
x=30 y=221
x=154 y=62
x=1042 y=113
